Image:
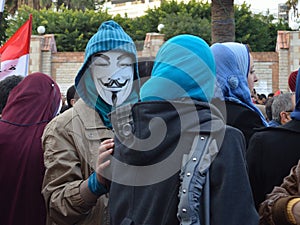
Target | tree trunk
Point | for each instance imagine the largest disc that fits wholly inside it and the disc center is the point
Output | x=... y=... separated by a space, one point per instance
x=35 y=4
x=222 y=21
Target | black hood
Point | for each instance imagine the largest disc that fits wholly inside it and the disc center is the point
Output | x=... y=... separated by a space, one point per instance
x=149 y=132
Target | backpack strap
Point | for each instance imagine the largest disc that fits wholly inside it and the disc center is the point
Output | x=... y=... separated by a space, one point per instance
x=195 y=181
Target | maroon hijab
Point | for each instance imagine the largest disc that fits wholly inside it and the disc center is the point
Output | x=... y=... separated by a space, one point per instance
x=30 y=106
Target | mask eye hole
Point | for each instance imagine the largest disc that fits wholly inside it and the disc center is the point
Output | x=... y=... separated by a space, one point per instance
x=125 y=64
x=125 y=60
x=101 y=60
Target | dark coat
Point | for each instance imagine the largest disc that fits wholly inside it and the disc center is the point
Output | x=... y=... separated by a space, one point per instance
x=151 y=196
x=241 y=117
x=271 y=154
x=30 y=106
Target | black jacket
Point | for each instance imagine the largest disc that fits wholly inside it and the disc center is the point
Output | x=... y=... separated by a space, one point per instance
x=241 y=117
x=271 y=154
x=145 y=184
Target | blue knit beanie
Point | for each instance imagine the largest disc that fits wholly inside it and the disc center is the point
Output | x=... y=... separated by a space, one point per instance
x=110 y=36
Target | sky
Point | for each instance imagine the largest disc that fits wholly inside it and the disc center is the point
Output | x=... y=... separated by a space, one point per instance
x=262 y=5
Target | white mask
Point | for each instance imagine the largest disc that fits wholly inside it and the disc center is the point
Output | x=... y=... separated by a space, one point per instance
x=112 y=73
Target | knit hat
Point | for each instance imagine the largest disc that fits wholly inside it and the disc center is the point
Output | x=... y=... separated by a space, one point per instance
x=110 y=36
x=292 y=80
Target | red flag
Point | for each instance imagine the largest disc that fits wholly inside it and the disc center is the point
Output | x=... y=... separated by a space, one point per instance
x=14 y=54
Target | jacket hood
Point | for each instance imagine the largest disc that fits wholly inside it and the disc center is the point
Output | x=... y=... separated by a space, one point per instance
x=151 y=126
x=109 y=37
x=35 y=100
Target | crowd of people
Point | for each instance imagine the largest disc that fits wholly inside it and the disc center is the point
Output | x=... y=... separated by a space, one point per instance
x=182 y=138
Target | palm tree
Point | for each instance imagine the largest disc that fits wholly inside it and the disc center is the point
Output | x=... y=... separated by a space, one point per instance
x=293 y=4
x=13 y=5
x=222 y=19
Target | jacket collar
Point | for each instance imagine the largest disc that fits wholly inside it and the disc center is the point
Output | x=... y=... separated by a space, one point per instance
x=293 y=125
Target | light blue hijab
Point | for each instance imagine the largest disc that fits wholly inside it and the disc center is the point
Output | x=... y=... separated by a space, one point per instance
x=232 y=68
x=184 y=67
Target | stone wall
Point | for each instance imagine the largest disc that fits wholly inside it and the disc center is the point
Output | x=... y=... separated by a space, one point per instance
x=64 y=68
x=266 y=69
x=272 y=68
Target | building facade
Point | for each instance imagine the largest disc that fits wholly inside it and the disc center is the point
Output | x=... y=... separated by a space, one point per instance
x=272 y=68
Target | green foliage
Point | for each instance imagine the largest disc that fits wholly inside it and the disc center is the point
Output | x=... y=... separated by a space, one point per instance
x=73 y=28
x=3 y=27
x=257 y=30
x=182 y=23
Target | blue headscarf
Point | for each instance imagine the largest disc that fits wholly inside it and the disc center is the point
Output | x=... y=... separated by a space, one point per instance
x=232 y=65
x=110 y=36
x=184 y=67
x=296 y=113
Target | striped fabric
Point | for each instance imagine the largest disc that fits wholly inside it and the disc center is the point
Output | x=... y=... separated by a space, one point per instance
x=184 y=67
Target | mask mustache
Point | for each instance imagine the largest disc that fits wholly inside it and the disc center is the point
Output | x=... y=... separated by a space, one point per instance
x=114 y=83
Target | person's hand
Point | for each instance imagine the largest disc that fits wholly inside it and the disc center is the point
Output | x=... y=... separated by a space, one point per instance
x=105 y=150
x=296 y=212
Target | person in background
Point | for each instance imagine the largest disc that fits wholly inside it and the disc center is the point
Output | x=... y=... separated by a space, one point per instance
x=282 y=106
x=235 y=83
x=75 y=192
x=292 y=80
x=261 y=99
x=262 y=108
x=64 y=105
x=30 y=106
x=145 y=66
x=146 y=185
x=271 y=154
x=254 y=95
x=6 y=85
x=72 y=97
x=270 y=95
x=282 y=204
x=268 y=109
x=278 y=92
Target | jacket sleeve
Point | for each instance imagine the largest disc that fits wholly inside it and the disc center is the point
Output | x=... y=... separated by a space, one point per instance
x=274 y=209
x=63 y=178
x=231 y=197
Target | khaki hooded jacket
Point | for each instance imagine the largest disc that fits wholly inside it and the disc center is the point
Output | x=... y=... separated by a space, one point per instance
x=70 y=143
